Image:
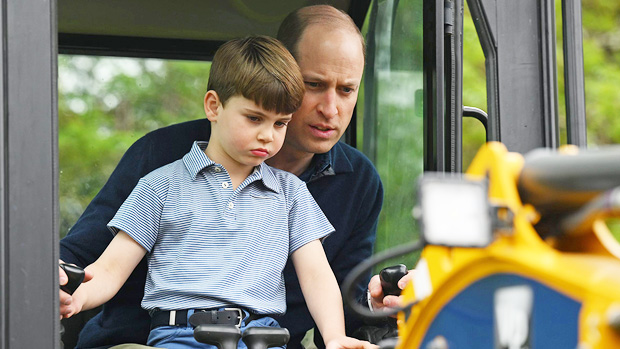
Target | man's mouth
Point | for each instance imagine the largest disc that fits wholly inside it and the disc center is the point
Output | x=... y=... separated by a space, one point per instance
x=322 y=128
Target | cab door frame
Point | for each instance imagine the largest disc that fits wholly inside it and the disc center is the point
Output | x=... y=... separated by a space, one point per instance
x=28 y=175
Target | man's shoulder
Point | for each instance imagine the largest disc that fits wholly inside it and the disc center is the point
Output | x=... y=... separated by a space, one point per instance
x=184 y=133
x=183 y=128
x=360 y=164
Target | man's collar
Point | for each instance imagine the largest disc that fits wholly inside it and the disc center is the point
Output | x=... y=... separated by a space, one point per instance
x=333 y=162
x=197 y=160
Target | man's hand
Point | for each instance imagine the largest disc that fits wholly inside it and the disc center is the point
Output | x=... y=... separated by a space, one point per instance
x=66 y=301
x=349 y=343
x=378 y=300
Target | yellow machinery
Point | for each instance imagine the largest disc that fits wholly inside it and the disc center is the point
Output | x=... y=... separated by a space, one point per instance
x=549 y=274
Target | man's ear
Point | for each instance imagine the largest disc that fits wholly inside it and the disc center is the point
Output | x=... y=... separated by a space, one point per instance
x=212 y=105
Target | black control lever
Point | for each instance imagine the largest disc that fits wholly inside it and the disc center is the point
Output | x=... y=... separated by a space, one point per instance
x=75 y=275
x=265 y=337
x=389 y=279
x=222 y=336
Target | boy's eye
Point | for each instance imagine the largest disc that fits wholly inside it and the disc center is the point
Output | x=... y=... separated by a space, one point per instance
x=281 y=123
x=253 y=118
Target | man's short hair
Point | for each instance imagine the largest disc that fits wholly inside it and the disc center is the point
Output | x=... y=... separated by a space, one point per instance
x=260 y=69
x=293 y=26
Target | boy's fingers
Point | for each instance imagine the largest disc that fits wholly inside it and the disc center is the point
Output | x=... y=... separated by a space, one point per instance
x=62 y=277
x=350 y=343
x=368 y=345
x=65 y=298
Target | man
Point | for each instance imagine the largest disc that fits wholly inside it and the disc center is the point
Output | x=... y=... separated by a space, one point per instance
x=330 y=52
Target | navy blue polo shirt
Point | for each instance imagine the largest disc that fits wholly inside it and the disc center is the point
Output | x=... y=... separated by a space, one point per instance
x=343 y=182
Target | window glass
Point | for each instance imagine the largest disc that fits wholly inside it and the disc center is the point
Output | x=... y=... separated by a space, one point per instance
x=474 y=89
x=390 y=122
x=104 y=105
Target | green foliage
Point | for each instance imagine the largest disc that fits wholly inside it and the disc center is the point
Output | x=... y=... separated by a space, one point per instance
x=106 y=104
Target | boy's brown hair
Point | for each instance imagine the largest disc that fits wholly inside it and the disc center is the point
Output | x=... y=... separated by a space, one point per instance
x=260 y=69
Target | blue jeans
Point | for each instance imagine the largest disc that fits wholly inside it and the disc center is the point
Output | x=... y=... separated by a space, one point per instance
x=182 y=337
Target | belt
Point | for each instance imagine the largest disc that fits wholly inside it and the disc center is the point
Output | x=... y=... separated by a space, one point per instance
x=227 y=316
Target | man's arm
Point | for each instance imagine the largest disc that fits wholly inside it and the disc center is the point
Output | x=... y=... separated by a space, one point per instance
x=360 y=245
x=110 y=272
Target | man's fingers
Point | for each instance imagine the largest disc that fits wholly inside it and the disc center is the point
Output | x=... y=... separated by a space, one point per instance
x=406 y=279
x=374 y=286
x=392 y=301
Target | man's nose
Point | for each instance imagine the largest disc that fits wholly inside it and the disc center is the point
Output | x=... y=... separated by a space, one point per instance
x=327 y=105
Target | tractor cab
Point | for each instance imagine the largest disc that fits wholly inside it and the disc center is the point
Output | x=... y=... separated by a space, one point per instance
x=63 y=58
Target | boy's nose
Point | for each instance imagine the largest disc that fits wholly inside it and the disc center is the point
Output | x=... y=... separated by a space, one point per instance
x=265 y=135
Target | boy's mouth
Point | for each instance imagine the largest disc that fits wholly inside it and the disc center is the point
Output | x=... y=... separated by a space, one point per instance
x=260 y=152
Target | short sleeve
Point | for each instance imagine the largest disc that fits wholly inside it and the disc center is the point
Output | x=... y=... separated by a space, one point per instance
x=139 y=216
x=307 y=222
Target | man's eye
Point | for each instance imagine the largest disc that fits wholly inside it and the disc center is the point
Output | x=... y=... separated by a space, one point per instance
x=347 y=89
x=312 y=84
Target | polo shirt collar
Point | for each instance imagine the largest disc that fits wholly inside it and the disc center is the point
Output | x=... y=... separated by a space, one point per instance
x=268 y=177
x=196 y=160
x=334 y=162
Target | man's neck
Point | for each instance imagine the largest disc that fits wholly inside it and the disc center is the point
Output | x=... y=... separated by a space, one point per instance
x=292 y=161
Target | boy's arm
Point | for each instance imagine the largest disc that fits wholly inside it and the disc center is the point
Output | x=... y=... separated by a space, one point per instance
x=110 y=272
x=322 y=295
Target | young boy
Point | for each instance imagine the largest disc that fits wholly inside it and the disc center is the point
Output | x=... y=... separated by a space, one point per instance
x=219 y=225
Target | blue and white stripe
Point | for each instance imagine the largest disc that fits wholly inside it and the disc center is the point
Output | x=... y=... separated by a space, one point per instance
x=205 y=240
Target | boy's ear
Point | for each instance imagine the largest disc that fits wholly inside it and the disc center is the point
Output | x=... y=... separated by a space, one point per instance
x=212 y=105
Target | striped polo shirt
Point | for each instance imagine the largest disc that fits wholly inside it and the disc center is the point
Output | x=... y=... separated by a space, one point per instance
x=209 y=245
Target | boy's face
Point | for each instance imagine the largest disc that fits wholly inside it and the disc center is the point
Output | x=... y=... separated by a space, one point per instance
x=242 y=133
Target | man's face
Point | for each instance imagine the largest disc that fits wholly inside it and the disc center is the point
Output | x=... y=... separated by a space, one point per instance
x=332 y=63
x=244 y=134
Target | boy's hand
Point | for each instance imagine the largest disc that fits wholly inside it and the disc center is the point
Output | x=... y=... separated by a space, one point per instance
x=67 y=305
x=349 y=343
x=378 y=300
